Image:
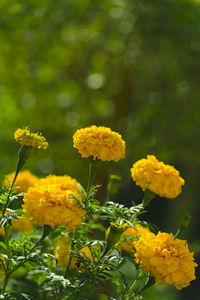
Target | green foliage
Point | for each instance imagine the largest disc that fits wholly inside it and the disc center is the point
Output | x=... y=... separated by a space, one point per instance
x=8 y=218
x=20 y=247
x=102 y=265
x=116 y=211
x=15 y=296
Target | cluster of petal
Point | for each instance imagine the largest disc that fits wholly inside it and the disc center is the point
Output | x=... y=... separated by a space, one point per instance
x=162 y=179
x=66 y=182
x=24 y=180
x=50 y=205
x=26 y=138
x=165 y=258
x=99 y=142
x=63 y=251
x=137 y=231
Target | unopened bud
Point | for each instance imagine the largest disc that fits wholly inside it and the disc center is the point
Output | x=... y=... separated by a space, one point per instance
x=185 y=222
x=23 y=155
x=113 y=235
x=113 y=186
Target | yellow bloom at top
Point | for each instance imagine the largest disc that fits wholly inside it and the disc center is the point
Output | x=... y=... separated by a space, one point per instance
x=50 y=205
x=165 y=258
x=99 y=142
x=162 y=179
x=24 y=180
x=66 y=182
x=26 y=138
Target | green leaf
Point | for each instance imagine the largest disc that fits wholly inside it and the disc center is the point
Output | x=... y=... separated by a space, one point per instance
x=2 y=246
x=42 y=278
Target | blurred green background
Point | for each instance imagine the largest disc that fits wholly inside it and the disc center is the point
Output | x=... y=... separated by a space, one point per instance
x=132 y=65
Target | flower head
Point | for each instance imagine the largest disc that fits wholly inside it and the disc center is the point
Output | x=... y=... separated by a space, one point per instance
x=24 y=180
x=26 y=138
x=165 y=258
x=66 y=182
x=50 y=205
x=161 y=179
x=99 y=142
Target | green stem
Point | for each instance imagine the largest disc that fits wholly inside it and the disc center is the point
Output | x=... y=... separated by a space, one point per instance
x=70 y=253
x=5 y=282
x=150 y=281
x=92 y=171
x=7 y=273
x=23 y=155
x=9 y=193
x=126 y=297
x=177 y=233
x=7 y=240
x=47 y=229
x=16 y=174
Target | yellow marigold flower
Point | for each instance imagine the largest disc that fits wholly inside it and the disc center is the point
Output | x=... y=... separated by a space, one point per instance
x=99 y=142
x=50 y=205
x=138 y=230
x=63 y=250
x=24 y=180
x=161 y=179
x=165 y=258
x=66 y=182
x=26 y=138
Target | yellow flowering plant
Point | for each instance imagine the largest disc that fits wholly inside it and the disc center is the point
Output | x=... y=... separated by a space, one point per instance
x=74 y=246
